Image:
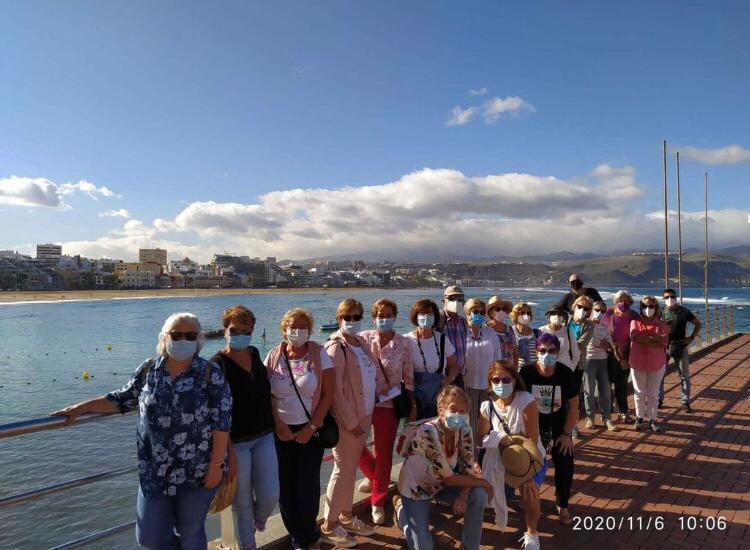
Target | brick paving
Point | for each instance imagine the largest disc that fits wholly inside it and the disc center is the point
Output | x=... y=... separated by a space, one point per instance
x=646 y=481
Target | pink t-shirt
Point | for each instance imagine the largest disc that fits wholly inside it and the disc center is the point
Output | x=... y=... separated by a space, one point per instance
x=619 y=326
x=643 y=357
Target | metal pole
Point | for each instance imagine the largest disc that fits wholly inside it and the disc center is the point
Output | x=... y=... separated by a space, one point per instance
x=679 y=231
x=666 y=218
x=705 y=266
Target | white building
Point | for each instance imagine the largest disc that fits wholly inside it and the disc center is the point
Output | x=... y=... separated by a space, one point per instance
x=138 y=279
x=49 y=253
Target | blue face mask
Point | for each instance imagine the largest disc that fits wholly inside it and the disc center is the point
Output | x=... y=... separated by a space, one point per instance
x=239 y=341
x=503 y=390
x=456 y=421
x=385 y=325
x=425 y=321
x=181 y=350
x=548 y=359
x=477 y=319
x=351 y=327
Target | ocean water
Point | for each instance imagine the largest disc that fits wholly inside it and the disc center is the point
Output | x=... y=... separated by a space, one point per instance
x=44 y=348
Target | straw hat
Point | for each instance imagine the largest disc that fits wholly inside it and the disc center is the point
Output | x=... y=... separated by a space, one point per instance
x=521 y=461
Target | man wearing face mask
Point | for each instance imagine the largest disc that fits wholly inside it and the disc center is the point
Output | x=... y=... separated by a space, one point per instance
x=677 y=317
x=576 y=290
x=453 y=325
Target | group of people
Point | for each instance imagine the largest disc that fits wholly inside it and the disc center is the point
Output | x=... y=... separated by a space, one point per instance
x=481 y=395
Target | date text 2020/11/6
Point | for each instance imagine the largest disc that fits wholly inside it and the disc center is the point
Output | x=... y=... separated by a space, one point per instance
x=615 y=523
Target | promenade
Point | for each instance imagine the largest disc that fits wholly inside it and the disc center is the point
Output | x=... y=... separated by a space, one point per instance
x=645 y=482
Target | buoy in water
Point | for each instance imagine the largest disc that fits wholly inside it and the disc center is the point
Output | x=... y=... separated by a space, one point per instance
x=85 y=375
x=109 y=347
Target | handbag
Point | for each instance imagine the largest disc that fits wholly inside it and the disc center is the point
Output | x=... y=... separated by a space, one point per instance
x=402 y=402
x=427 y=385
x=327 y=436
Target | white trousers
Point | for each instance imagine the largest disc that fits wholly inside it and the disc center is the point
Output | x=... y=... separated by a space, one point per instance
x=646 y=392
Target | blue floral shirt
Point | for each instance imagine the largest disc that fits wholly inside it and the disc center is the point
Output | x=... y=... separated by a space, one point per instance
x=175 y=421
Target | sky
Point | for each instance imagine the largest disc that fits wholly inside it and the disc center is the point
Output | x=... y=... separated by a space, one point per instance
x=403 y=129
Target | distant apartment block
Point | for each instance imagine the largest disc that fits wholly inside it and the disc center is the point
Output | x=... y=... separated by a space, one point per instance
x=49 y=254
x=152 y=256
x=138 y=279
x=122 y=270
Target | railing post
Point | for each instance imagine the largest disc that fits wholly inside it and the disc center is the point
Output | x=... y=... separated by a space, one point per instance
x=707 y=328
x=227 y=529
x=699 y=340
x=731 y=319
x=717 y=331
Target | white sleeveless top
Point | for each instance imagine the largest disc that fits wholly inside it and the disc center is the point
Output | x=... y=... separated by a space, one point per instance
x=512 y=415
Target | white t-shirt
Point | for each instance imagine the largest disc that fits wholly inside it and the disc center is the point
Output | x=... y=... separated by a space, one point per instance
x=282 y=389
x=564 y=334
x=512 y=415
x=367 y=369
x=425 y=351
x=481 y=352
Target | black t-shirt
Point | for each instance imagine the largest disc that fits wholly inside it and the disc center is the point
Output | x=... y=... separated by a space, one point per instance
x=251 y=396
x=567 y=302
x=552 y=394
x=677 y=319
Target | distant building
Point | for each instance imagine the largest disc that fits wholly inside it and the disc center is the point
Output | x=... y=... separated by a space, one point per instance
x=49 y=254
x=153 y=256
x=122 y=270
x=138 y=279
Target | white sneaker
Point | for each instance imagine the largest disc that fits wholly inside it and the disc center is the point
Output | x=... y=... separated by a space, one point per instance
x=356 y=526
x=610 y=425
x=365 y=486
x=530 y=542
x=378 y=515
x=589 y=423
x=338 y=537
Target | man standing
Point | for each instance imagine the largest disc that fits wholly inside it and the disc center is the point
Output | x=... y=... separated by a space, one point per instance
x=577 y=289
x=677 y=317
x=453 y=325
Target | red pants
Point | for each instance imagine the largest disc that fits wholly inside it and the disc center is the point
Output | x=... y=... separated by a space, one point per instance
x=377 y=468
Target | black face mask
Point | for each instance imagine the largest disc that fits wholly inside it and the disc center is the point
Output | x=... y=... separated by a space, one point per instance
x=576 y=285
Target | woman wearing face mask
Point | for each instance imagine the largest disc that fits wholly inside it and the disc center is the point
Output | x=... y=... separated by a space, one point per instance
x=511 y=406
x=252 y=450
x=439 y=466
x=524 y=335
x=596 y=372
x=498 y=318
x=551 y=383
x=353 y=406
x=618 y=322
x=183 y=432
x=482 y=350
x=302 y=387
x=432 y=355
x=392 y=352
x=648 y=360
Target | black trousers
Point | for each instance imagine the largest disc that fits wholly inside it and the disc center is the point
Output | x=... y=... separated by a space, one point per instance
x=564 y=465
x=299 y=488
x=619 y=377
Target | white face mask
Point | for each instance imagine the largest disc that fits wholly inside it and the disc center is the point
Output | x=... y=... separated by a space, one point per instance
x=555 y=320
x=524 y=319
x=649 y=311
x=500 y=316
x=579 y=314
x=670 y=302
x=596 y=314
x=297 y=337
x=456 y=307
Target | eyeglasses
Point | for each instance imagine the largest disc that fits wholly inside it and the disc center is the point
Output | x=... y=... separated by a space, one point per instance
x=583 y=308
x=599 y=310
x=189 y=336
x=546 y=350
x=477 y=312
x=236 y=331
x=352 y=318
x=668 y=296
x=502 y=380
x=455 y=298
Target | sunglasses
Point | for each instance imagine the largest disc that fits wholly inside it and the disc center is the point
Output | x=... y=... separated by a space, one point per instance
x=189 y=336
x=599 y=310
x=583 y=308
x=477 y=311
x=455 y=298
x=668 y=296
x=502 y=380
x=546 y=350
x=236 y=331
x=352 y=318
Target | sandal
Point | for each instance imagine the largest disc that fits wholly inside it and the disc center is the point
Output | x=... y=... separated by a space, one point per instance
x=565 y=518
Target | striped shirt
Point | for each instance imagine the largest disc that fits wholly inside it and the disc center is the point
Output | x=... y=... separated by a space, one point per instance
x=455 y=330
x=601 y=332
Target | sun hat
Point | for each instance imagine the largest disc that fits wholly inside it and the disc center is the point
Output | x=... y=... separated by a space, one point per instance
x=500 y=301
x=521 y=460
x=452 y=290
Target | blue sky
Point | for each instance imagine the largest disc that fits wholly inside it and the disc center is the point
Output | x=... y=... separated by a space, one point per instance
x=173 y=104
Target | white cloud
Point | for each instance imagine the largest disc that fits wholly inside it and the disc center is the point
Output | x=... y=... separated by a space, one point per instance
x=480 y=91
x=22 y=191
x=498 y=107
x=120 y=213
x=731 y=154
x=460 y=116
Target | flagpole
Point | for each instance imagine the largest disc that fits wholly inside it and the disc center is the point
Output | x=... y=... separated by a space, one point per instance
x=666 y=218
x=679 y=230
x=705 y=267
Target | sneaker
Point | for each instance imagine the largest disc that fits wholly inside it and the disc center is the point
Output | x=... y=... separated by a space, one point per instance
x=654 y=426
x=529 y=541
x=686 y=408
x=590 y=423
x=396 y=509
x=576 y=434
x=378 y=515
x=365 y=486
x=356 y=526
x=338 y=537
x=565 y=518
x=639 y=423
x=661 y=404
x=626 y=418
x=610 y=425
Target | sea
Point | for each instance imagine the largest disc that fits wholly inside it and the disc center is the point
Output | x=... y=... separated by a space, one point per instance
x=46 y=347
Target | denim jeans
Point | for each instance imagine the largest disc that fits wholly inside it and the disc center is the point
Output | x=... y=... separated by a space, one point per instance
x=257 y=487
x=172 y=523
x=683 y=368
x=414 y=518
x=597 y=374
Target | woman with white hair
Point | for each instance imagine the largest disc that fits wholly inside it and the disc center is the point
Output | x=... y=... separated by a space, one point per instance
x=185 y=409
x=618 y=322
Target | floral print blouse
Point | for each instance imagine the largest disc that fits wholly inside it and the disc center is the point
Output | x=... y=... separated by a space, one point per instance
x=426 y=466
x=175 y=421
x=395 y=358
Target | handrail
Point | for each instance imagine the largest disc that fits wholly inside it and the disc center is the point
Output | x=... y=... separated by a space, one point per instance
x=95 y=536
x=51 y=423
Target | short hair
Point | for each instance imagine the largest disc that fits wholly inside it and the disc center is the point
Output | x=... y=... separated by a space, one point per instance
x=174 y=320
x=557 y=311
x=657 y=314
x=347 y=305
x=497 y=302
x=576 y=275
x=472 y=303
x=549 y=339
x=622 y=294
x=449 y=394
x=669 y=290
x=515 y=313
x=238 y=313
x=418 y=306
x=383 y=303
x=286 y=320
x=509 y=366
x=584 y=301
x=600 y=303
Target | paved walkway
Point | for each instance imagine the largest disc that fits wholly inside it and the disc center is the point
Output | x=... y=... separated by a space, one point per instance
x=646 y=481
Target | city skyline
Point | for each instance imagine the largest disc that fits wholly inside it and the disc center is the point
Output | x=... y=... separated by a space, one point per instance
x=370 y=129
